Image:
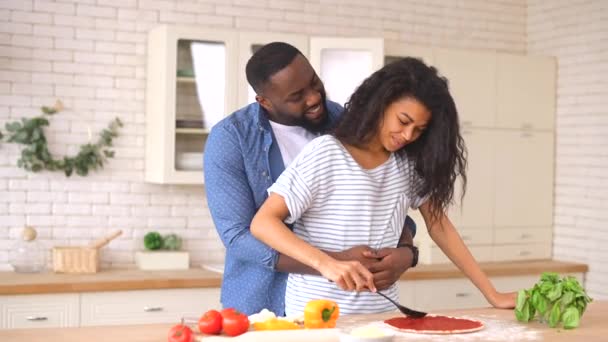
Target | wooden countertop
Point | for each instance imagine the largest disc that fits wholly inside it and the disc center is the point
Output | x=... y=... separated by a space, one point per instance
x=12 y=283
x=500 y=325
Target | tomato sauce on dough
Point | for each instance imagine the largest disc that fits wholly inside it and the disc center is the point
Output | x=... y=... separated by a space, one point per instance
x=432 y=323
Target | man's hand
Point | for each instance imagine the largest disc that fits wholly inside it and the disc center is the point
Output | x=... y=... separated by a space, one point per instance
x=363 y=254
x=391 y=264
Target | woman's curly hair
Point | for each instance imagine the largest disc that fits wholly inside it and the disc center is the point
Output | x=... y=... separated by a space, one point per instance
x=439 y=154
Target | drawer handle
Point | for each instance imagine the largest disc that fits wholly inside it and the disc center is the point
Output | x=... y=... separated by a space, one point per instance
x=524 y=253
x=36 y=318
x=153 y=308
x=466 y=238
x=462 y=294
x=526 y=236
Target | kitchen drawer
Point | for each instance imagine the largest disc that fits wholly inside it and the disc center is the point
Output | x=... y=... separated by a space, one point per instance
x=434 y=255
x=472 y=237
x=147 y=306
x=522 y=235
x=523 y=251
x=445 y=294
x=39 y=311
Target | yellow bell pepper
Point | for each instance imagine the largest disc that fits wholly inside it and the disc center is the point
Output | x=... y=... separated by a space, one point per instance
x=321 y=313
x=275 y=324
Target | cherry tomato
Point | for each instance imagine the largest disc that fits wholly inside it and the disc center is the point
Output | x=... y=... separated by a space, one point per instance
x=180 y=333
x=235 y=323
x=210 y=322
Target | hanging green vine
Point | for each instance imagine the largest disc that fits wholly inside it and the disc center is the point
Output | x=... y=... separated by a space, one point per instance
x=35 y=155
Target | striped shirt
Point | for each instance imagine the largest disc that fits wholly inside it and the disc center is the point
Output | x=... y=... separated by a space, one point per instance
x=336 y=204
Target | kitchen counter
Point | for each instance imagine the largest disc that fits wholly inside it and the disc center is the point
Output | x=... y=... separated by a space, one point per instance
x=500 y=325
x=12 y=283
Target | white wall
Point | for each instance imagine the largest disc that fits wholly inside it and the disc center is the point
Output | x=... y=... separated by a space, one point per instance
x=576 y=32
x=91 y=54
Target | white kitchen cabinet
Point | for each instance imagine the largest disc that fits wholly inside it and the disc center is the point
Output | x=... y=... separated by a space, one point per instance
x=172 y=107
x=533 y=251
x=39 y=311
x=460 y=293
x=476 y=210
x=524 y=162
x=249 y=42
x=442 y=294
x=146 y=306
x=525 y=96
x=343 y=63
x=472 y=82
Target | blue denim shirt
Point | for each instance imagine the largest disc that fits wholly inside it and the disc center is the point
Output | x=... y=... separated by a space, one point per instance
x=241 y=161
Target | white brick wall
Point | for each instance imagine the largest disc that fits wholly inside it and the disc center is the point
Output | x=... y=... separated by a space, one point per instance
x=576 y=33
x=91 y=55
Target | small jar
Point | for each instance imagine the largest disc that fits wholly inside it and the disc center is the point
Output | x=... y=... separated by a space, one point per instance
x=28 y=255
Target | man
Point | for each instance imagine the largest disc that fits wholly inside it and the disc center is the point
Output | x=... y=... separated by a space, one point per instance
x=247 y=151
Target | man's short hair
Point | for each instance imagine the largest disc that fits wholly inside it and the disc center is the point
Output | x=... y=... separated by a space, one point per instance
x=267 y=61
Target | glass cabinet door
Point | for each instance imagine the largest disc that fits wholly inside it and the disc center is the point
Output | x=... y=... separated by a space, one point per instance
x=343 y=63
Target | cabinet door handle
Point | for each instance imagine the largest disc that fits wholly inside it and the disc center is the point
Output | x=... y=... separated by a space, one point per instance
x=36 y=318
x=526 y=236
x=524 y=253
x=466 y=238
x=462 y=294
x=153 y=308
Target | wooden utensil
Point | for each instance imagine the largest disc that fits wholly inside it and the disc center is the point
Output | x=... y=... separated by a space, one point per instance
x=97 y=244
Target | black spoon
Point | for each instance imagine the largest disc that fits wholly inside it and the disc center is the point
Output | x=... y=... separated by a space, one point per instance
x=405 y=310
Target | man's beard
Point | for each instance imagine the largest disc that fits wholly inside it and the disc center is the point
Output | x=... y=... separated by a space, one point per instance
x=317 y=127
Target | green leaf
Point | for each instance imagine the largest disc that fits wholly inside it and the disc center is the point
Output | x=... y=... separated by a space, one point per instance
x=567 y=298
x=571 y=318
x=48 y=110
x=13 y=126
x=555 y=292
x=522 y=298
x=554 y=316
x=550 y=277
x=532 y=311
x=545 y=287
x=543 y=305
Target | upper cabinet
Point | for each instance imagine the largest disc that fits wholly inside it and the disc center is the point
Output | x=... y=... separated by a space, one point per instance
x=472 y=82
x=190 y=79
x=343 y=63
x=525 y=95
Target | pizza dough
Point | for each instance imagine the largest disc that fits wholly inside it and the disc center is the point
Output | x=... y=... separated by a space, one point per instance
x=432 y=324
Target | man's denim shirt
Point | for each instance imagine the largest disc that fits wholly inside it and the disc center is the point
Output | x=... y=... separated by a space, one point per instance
x=241 y=161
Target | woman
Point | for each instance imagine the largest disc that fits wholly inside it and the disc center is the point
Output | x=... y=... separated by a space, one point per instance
x=397 y=146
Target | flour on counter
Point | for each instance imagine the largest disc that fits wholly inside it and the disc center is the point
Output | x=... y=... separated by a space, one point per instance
x=494 y=330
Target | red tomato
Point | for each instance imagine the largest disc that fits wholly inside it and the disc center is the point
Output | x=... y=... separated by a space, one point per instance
x=228 y=311
x=180 y=333
x=235 y=323
x=210 y=322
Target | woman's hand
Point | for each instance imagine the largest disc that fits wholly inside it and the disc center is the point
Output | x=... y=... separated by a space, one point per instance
x=503 y=300
x=348 y=275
